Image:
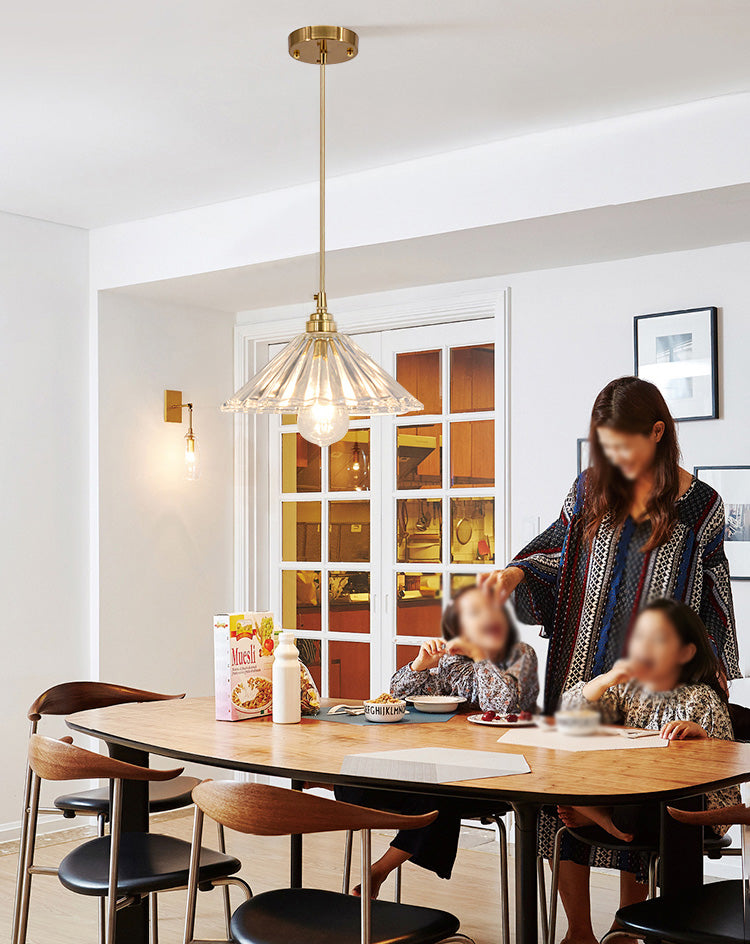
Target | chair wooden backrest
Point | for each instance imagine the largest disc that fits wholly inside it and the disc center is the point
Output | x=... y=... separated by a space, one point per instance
x=263 y=810
x=63 y=760
x=69 y=697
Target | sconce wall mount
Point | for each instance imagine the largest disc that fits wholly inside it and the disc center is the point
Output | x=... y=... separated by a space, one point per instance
x=173 y=407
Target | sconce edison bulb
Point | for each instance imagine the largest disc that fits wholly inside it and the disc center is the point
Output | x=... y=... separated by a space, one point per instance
x=192 y=469
x=323 y=423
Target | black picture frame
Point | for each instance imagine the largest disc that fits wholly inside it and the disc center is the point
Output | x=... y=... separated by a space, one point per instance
x=713 y=337
x=581 y=442
x=739 y=564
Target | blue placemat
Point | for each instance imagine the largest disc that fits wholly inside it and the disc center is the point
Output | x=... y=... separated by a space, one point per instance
x=411 y=717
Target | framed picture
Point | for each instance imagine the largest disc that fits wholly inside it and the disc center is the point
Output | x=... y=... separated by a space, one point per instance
x=732 y=482
x=582 y=446
x=678 y=351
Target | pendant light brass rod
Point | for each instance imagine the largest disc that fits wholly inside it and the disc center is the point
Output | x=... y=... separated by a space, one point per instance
x=322 y=297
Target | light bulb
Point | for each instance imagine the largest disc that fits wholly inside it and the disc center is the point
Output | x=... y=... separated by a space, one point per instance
x=192 y=469
x=323 y=423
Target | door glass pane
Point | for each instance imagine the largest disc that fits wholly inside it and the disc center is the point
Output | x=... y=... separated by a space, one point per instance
x=420 y=456
x=309 y=653
x=419 y=529
x=349 y=463
x=420 y=373
x=300 y=464
x=473 y=378
x=300 y=599
x=349 y=531
x=406 y=655
x=300 y=525
x=348 y=669
x=418 y=604
x=459 y=581
x=349 y=602
x=472 y=530
x=473 y=454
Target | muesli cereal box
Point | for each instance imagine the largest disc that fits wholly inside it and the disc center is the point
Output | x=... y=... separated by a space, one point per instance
x=243 y=658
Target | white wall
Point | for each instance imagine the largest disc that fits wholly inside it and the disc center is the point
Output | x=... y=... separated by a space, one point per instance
x=165 y=544
x=43 y=474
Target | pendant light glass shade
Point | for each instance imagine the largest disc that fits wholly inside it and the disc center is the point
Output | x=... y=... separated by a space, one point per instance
x=322 y=368
x=322 y=376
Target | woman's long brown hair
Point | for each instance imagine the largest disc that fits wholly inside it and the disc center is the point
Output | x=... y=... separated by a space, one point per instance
x=632 y=405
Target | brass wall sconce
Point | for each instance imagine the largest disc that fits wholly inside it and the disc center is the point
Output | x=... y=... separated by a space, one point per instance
x=173 y=407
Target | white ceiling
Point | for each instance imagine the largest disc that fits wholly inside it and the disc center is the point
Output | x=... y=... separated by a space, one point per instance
x=113 y=111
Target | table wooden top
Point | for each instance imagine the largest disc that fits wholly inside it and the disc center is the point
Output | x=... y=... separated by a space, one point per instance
x=314 y=750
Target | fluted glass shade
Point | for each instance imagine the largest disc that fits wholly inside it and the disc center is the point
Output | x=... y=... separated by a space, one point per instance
x=322 y=367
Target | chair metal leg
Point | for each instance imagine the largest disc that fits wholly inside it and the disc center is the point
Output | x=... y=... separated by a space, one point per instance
x=397 y=886
x=366 y=907
x=28 y=855
x=555 y=882
x=22 y=856
x=502 y=837
x=347 y=862
x=153 y=918
x=195 y=854
x=101 y=902
x=653 y=872
x=115 y=832
x=225 y=889
x=541 y=882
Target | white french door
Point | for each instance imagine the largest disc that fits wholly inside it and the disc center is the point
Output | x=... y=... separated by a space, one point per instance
x=371 y=536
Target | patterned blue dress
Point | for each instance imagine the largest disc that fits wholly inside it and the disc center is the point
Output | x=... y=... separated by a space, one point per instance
x=586 y=598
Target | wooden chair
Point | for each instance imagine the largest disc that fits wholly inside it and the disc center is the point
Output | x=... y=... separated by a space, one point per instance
x=173 y=794
x=714 y=913
x=291 y=915
x=133 y=866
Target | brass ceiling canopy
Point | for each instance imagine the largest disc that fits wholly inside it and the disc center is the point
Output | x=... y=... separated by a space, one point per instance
x=338 y=43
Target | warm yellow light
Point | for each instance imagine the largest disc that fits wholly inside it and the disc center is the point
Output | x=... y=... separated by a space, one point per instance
x=192 y=469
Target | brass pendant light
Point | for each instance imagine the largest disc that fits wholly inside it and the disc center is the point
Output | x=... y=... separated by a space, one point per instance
x=322 y=376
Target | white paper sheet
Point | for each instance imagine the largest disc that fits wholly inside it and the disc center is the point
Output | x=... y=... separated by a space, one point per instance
x=434 y=765
x=606 y=739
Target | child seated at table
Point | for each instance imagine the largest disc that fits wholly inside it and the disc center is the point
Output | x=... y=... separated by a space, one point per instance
x=669 y=683
x=480 y=658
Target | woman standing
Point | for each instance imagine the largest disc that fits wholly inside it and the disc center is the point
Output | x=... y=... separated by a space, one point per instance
x=635 y=526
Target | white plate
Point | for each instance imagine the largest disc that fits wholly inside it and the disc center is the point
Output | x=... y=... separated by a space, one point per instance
x=435 y=704
x=500 y=722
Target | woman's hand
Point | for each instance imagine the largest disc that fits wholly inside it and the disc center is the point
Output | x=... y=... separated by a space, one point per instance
x=430 y=654
x=462 y=647
x=621 y=672
x=501 y=583
x=679 y=730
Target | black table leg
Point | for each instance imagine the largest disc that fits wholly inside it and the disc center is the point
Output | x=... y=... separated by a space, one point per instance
x=132 y=922
x=681 y=850
x=295 y=852
x=526 y=887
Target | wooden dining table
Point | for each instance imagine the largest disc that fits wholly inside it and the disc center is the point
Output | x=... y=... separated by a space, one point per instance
x=314 y=750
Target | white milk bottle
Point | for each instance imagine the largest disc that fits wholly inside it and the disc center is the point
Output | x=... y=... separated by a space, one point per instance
x=286 y=681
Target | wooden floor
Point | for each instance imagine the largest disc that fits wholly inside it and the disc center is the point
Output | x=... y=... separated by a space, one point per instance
x=60 y=917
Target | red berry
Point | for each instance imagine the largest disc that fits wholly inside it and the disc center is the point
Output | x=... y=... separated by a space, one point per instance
x=511 y=719
x=525 y=716
x=488 y=716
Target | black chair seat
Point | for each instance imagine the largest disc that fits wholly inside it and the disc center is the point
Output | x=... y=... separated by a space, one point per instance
x=312 y=916
x=166 y=795
x=148 y=863
x=708 y=915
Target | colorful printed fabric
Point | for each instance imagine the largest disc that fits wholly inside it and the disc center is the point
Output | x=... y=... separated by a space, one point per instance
x=586 y=596
x=509 y=686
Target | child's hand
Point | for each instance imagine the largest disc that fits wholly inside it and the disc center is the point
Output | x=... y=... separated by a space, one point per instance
x=462 y=647
x=429 y=655
x=679 y=730
x=621 y=672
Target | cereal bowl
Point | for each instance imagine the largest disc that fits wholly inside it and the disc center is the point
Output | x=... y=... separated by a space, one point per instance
x=385 y=711
x=577 y=723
